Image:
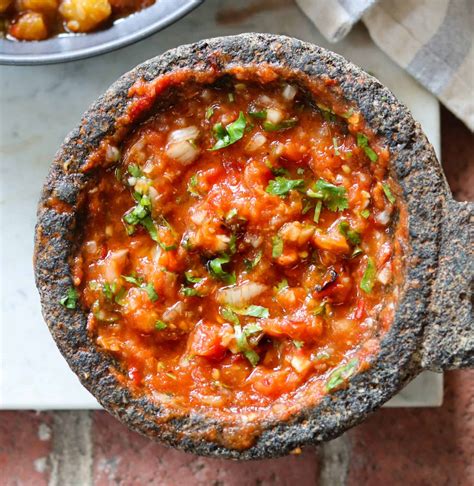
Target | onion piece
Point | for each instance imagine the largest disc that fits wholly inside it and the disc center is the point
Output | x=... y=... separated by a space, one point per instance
x=183 y=134
x=257 y=141
x=289 y=92
x=183 y=152
x=175 y=311
x=383 y=217
x=274 y=116
x=239 y=295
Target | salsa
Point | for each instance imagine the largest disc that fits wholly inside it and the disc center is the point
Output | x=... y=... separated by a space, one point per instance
x=242 y=250
x=34 y=20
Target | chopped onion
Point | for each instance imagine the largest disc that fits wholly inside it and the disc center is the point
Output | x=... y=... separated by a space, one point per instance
x=257 y=141
x=300 y=363
x=180 y=146
x=183 y=134
x=383 y=217
x=385 y=275
x=289 y=92
x=174 y=311
x=274 y=116
x=112 y=153
x=183 y=152
x=239 y=295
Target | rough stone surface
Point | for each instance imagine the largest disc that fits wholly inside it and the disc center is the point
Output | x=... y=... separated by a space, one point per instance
x=414 y=166
x=25 y=447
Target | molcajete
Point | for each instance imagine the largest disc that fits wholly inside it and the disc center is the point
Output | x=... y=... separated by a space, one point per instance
x=364 y=134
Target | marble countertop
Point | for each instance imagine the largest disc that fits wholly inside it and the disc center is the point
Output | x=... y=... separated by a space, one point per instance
x=39 y=105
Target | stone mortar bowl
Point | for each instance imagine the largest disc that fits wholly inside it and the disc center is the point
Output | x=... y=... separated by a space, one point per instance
x=433 y=328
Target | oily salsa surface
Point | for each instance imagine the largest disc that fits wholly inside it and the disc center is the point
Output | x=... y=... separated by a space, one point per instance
x=34 y=20
x=243 y=251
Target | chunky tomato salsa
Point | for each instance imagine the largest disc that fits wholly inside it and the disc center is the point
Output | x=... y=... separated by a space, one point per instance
x=35 y=20
x=242 y=250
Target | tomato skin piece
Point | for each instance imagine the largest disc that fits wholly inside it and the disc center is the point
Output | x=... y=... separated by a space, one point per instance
x=206 y=341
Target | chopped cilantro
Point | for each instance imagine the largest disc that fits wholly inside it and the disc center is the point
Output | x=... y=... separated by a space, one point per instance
x=133 y=280
x=333 y=197
x=230 y=316
x=298 y=344
x=335 y=146
x=209 y=112
x=251 y=264
x=160 y=325
x=190 y=292
x=230 y=134
x=368 y=279
x=281 y=186
x=388 y=192
x=192 y=183
x=69 y=300
x=150 y=290
x=283 y=125
x=258 y=114
x=109 y=290
x=277 y=246
x=363 y=142
x=233 y=243
x=254 y=311
x=253 y=328
x=365 y=213
x=215 y=269
x=350 y=234
x=317 y=211
x=191 y=278
x=281 y=285
x=244 y=346
x=340 y=375
x=134 y=170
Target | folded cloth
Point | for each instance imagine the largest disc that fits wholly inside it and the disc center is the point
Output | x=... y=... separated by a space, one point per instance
x=431 y=39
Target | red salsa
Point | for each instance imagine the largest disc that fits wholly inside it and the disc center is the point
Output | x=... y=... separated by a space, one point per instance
x=34 y=20
x=242 y=249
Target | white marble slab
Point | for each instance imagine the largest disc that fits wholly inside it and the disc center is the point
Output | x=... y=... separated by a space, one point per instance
x=39 y=105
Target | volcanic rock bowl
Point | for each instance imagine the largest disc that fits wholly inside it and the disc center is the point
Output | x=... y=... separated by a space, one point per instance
x=433 y=327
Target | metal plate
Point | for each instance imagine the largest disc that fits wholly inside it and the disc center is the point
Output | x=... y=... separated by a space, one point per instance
x=69 y=47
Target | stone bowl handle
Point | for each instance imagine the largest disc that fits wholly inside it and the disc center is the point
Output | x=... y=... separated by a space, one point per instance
x=448 y=340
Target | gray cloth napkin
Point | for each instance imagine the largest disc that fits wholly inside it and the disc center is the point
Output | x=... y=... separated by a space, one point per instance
x=431 y=39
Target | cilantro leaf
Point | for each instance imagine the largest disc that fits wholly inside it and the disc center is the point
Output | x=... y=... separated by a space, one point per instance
x=160 y=325
x=191 y=278
x=388 y=192
x=340 y=375
x=244 y=346
x=254 y=311
x=281 y=285
x=258 y=114
x=283 y=125
x=134 y=170
x=215 y=269
x=350 y=234
x=368 y=279
x=363 y=142
x=277 y=246
x=251 y=264
x=150 y=290
x=190 y=292
x=69 y=300
x=230 y=134
x=281 y=186
x=229 y=315
x=333 y=197
x=133 y=280
x=253 y=328
x=365 y=213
